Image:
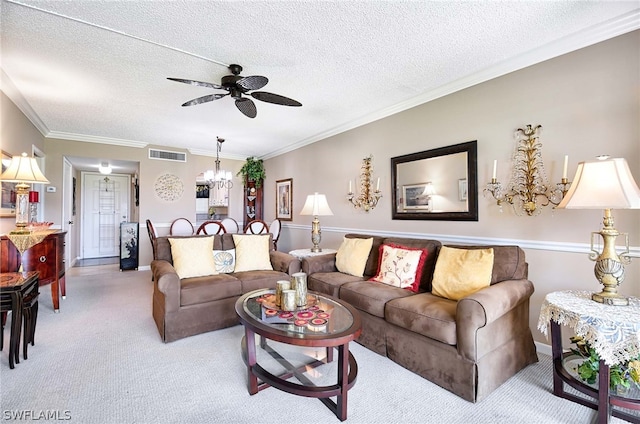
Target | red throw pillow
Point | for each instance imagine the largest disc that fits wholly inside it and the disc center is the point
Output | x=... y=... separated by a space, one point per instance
x=400 y=266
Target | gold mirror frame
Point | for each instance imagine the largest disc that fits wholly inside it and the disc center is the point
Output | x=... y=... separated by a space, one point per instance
x=470 y=195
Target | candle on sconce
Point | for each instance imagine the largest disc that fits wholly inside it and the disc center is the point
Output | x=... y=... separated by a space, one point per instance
x=378 y=185
x=564 y=169
x=350 y=187
x=495 y=168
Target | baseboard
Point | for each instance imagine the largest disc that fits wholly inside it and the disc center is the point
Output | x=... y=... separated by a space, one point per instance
x=543 y=348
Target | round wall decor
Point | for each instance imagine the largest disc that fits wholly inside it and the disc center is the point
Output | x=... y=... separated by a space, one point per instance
x=169 y=187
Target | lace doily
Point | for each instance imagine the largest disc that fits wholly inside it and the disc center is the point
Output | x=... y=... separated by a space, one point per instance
x=22 y=242
x=613 y=331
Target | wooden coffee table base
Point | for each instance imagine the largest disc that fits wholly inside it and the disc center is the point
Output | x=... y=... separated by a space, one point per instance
x=259 y=378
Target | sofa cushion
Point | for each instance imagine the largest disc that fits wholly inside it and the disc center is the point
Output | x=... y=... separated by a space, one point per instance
x=225 y=260
x=329 y=282
x=352 y=255
x=264 y=279
x=425 y=314
x=461 y=272
x=207 y=289
x=432 y=246
x=192 y=256
x=371 y=296
x=371 y=268
x=252 y=252
x=400 y=266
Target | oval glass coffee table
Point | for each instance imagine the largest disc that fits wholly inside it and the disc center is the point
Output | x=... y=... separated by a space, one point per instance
x=298 y=345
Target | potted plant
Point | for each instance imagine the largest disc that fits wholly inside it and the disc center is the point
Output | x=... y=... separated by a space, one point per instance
x=253 y=170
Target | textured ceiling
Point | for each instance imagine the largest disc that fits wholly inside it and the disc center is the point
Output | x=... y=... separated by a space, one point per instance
x=96 y=70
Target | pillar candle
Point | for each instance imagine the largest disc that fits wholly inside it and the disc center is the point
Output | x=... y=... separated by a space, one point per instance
x=378 y=185
x=564 y=169
x=495 y=168
x=33 y=197
x=350 y=187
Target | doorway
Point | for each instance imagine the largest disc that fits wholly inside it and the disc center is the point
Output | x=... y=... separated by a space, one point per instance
x=105 y=204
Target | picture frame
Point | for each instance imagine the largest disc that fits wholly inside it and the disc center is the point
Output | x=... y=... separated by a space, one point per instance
x=413 y=197
x=284 y=199
x=8 y=204
x=463 y=190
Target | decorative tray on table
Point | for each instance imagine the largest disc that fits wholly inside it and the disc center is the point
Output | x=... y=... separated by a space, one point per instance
x=310 y=315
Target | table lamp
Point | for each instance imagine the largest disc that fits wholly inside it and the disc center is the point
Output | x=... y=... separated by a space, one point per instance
x=605 y=184
x=316 y=205
x=23 y=170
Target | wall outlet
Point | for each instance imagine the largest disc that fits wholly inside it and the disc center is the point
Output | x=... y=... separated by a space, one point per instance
x=51 y=189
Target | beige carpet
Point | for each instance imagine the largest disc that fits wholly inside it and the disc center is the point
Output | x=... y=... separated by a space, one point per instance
x=101 y=360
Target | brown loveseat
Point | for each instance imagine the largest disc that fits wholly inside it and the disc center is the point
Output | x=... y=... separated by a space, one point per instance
x=469 y=347
x=196 y=305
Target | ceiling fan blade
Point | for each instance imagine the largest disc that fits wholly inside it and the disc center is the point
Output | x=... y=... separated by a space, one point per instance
x=275 y=98
x=198 y=83
x=254 y=82
x=204 y=99
x=247 y=107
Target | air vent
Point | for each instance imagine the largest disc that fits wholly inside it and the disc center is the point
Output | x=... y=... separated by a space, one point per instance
x=167 y=155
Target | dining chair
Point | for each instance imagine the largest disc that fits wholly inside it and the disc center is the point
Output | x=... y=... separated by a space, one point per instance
x=230 y=225
x=181 y=227
x=257 y=226
x=274 y=229
x=211 y=227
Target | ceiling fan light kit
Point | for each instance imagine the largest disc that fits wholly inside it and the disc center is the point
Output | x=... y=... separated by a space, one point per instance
x=237 y=85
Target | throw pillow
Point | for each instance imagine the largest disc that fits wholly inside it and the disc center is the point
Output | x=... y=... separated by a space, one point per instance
x=225 y=260
x=352 y=255
x=252 y=252
x=400 y=266
x=461 y=272
x=192 y=256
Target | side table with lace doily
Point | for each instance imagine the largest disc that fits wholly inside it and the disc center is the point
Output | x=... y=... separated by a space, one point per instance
x=612 y=331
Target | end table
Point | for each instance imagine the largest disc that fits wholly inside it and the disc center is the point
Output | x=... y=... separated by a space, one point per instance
x=305 y=253
x=614 y=333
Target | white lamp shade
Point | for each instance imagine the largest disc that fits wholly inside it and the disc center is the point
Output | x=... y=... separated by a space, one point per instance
x=602 y=184
x=23 y=169
x=316 y=205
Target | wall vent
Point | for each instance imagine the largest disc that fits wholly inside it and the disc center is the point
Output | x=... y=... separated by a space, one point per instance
x=167 y=155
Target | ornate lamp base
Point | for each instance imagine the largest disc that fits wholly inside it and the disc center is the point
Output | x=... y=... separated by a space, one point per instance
x=613 y=299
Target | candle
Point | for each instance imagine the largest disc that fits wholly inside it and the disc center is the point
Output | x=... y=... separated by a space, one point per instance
x=495 y=168
x=350 y=187
x=378 y=185
x=33 y=197
x=564 y=169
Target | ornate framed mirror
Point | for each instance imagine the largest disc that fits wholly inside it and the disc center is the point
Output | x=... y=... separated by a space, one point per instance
x=436 y=184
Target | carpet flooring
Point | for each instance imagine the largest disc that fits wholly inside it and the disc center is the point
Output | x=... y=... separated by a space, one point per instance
x=101 y=360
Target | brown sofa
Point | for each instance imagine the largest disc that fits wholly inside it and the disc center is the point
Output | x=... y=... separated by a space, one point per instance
x=469 y=347
x=182 y=308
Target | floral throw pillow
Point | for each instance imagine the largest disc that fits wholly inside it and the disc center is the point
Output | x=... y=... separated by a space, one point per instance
x=400 y=266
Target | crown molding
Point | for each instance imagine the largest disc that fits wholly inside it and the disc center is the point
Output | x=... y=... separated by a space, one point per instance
x=212 y=153
x=96 y=139
x=592 y=35
x=8 y=87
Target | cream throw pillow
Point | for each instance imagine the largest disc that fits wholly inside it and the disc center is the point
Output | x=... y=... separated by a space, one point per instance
x=461 y=272
x=192 y=256
x=252 y=252
x=352 y=255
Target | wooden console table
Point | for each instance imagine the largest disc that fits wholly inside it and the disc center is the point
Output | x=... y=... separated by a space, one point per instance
x=45 y=256
x=614 y=333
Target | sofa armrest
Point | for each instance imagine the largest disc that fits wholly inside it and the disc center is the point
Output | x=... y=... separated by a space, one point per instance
x=167 y=282
x=484 y=307
x=284 y=262
x=320 y=263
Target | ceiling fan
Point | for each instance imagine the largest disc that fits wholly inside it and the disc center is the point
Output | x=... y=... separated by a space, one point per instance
x=237 y=85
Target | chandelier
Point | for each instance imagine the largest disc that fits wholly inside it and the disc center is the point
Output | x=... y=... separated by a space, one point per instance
x=218 y=179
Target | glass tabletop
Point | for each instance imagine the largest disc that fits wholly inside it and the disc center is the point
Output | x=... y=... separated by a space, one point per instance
x=321 y=316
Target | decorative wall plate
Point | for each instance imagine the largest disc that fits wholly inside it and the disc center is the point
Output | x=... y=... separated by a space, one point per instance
x=169 y=187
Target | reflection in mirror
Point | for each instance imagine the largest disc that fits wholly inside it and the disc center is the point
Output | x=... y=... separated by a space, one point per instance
x=438 y=184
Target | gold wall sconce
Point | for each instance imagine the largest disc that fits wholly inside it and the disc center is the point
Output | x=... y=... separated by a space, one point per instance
x=528 y=189
x=368 y=198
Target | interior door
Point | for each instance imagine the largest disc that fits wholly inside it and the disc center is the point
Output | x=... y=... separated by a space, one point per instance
x=68 y=192
x=105 y=202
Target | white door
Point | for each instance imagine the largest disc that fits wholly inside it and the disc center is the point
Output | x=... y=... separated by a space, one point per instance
x=105 y=203
x=68 y=195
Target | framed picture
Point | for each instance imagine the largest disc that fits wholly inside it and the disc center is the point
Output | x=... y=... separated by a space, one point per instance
x=415 y=198
x=462 y=189
x=8 y=206
x=284 y=199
